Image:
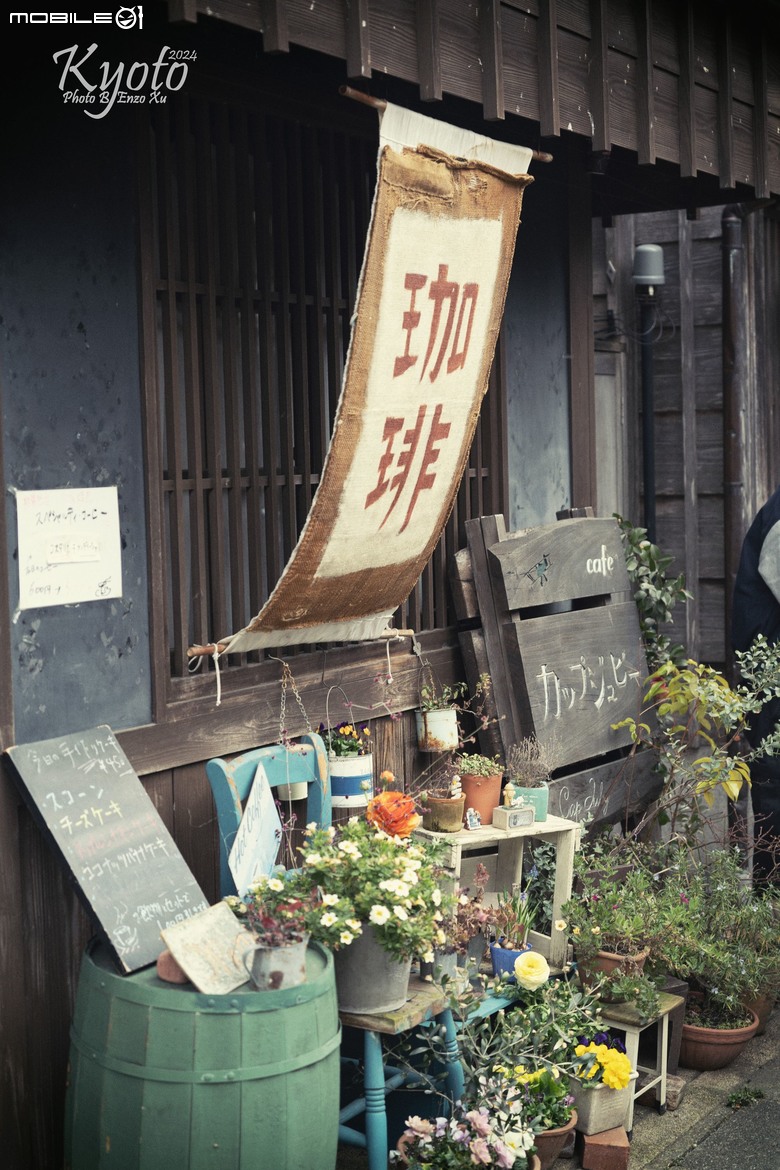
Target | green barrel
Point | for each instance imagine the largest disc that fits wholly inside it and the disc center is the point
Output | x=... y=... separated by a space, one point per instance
x=163 y=1077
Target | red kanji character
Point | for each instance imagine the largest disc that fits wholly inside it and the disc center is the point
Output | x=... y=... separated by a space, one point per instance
x=414 y=281
x=440 y=290
x=405 y=460
x=392 y=427
x=458 y=359
x=438 y=431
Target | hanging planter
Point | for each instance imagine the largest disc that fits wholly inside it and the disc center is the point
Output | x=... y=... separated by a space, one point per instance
x=351 y=780
x=350 y=759
x=437 y=730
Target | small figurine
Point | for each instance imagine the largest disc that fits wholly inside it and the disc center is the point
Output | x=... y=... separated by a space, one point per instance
x=455 y=787
x=509 y=794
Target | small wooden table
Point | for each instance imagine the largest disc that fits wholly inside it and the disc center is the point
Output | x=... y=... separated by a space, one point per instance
x=625 y=1018
x=426 y=1001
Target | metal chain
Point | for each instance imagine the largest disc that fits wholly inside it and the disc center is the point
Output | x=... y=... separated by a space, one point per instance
x=288 y=680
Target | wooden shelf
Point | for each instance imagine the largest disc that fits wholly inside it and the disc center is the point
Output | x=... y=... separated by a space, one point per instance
x=508 y=846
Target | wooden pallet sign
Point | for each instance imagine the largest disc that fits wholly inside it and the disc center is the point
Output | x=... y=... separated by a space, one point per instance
x=548 y=612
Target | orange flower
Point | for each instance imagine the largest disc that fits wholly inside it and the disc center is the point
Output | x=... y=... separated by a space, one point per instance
x=393 y=813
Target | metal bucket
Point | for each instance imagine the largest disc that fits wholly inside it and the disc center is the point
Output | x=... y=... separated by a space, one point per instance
x=162 y=1075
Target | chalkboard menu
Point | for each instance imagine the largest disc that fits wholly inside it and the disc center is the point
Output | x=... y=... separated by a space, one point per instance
x=93 y=809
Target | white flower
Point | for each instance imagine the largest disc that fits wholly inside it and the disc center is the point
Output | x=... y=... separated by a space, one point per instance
x=400 y=913
x=560 y=924
x=379 y=915
x=276 y=885
x=313 y=859
x=349 y=848
x=330 y=899
x=436 y=897
x=346 y=937
x=354 y=925
x=428 y=957
x=328 y=918
x=310 y=828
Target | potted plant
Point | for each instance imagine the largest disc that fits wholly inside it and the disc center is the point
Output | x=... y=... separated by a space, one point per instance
x=539 y=1094
x=612 y=917
x=278 y=922
x=710 y=943
x=603 y=1085
x=480 y=777
x=442 y=803
x=350 y=763
x=529 y=765
x=437 y=716
x=378 y=900
x=467 y=1138
x=472 y=920
x=513 y=919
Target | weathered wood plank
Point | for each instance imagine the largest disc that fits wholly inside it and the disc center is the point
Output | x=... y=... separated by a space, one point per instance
x=558 y=562
x=273 y=16
x=645 y=92
x=599 y=76
x=358 y=20
x=606 y=793
x=492 y=59
x=575 y=675
x=549 y=97
x=429 y=50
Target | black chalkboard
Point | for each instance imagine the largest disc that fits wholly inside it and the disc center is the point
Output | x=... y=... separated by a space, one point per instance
x=93 y=809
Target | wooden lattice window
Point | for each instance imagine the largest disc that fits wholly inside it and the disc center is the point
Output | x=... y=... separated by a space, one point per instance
x=253 y=225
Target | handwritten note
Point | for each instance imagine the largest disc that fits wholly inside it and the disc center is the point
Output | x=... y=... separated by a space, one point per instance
x=259 y=835
x=69 y=546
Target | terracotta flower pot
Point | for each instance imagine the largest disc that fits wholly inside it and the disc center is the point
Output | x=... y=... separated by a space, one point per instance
x=708 y=1048
x=608 y=963
x=482 y=793
x=763 y=1006
x=550 y=1142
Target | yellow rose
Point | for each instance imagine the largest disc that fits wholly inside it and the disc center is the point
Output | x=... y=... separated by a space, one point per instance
x=531 y=970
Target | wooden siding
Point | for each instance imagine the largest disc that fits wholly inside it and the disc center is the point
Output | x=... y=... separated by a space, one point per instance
x=682 y=83
x=703 y=506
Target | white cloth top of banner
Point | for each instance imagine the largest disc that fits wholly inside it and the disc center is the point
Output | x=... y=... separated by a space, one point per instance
x=399 y=128
x=364 y=629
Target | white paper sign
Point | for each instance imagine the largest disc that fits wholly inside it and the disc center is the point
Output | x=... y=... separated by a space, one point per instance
x=253 y=853
x=69 y=547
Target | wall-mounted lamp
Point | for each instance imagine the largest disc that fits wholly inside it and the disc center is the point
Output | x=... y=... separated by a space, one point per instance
x=648 y=271
x=648 y=274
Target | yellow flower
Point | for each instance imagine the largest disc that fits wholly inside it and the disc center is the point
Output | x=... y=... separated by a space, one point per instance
x=531 y=970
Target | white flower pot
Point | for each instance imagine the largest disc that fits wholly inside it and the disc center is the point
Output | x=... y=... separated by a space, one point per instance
x=437 y=731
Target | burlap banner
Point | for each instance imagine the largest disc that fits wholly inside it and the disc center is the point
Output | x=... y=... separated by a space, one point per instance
x=432 y=289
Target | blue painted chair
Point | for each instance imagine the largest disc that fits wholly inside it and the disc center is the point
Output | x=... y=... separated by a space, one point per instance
x=231 y=782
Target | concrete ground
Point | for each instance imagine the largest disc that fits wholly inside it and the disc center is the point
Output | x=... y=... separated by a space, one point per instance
x=704 y=1132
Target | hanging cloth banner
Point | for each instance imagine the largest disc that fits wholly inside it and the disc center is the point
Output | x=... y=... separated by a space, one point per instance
x=429 y=307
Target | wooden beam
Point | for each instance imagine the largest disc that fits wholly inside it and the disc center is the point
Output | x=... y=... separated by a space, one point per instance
x=182 y=10
x=273 y=14
x=492 y=51
x=582 y=419
x=725 y=105
x=599 y=76
x=686 y=103
x=689 y=460
x=429 y=50
x=760 y=116
x=645 y=92
x=358 y=38
x=547 y=40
